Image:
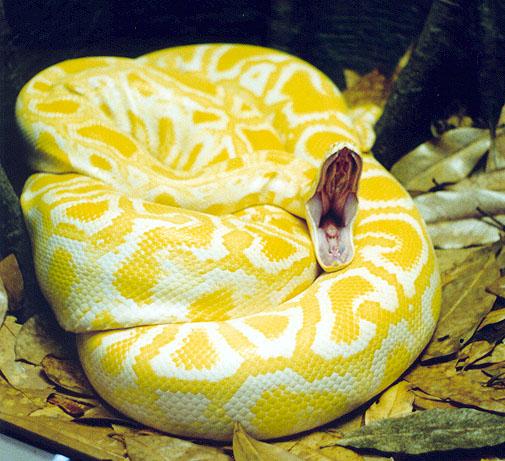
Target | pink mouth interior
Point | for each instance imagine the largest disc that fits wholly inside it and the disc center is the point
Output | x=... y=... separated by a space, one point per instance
x=333 y=207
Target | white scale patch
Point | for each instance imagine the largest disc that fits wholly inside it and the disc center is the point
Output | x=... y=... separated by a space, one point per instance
x=282 y=346
x=256 y=77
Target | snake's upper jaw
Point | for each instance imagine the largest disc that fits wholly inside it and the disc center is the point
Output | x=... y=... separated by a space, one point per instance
x=331 y=211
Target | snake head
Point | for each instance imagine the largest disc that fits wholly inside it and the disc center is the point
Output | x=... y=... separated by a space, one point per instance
x=332 y=209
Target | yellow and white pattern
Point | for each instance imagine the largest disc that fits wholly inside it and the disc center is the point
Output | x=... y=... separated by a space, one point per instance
x=166 y=229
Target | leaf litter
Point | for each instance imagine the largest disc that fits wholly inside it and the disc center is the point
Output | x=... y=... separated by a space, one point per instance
x=454 y=398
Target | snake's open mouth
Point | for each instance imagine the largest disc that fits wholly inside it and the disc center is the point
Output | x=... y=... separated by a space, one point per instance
x=332 y=209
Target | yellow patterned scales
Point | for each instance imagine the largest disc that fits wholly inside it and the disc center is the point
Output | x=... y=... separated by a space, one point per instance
x=166 y=230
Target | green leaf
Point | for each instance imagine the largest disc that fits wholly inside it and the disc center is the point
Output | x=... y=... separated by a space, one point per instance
x=430 y=430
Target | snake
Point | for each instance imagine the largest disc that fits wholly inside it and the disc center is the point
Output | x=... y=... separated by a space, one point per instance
x=209 y=223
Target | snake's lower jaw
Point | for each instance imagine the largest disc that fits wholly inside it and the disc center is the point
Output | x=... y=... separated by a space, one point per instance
x=332 y=209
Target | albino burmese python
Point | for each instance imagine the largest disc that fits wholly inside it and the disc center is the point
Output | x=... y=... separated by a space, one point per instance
x=166 y=229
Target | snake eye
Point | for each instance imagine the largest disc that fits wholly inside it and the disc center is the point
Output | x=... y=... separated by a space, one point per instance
x=332 y=209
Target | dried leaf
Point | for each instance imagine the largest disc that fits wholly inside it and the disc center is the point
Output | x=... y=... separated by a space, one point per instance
x=40 y=337
x=451 y=259
x=466 y=387
x=51 y=412
x=4 y=303
x=245 y=448
x=351 y=77
x=153 y=447
x=101 y=413
x=449 y=158
x=430 y=430
x=497 y=374
x=492 y=317
x=19 y=374
x=370 y=89
x=397 y=401
x=12 y=280
x=474 y=352
x=72 y=407
x=67 y=374
x=309 y=447
x=464 y=302
x=425 y=401
x=462 y=233
x=492 y=180
x=497 y=287
x=496 y=157
x=450 y=205
x=16 y=402
x=93 y=442
x=497 y=355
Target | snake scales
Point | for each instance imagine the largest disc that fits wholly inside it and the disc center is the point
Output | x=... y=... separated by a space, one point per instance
x=165 y=221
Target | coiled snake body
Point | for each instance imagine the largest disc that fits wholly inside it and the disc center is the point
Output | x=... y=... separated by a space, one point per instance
x=165 y=221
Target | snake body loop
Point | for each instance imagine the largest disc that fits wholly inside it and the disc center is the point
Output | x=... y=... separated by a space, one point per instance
x=166 y=226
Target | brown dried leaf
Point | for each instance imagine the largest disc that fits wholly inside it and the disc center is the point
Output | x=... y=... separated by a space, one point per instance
x=154 y=447
x=12 y=280
x=72 y=407
x=372 y=88
x=349 y=422
x=497 y=287
x=52 y=412
x=449 y=158
x=16 y=402
x=4 y=303
x=466 y=387
x=464 y=303
x=40 y=337
x=351 y=77
x=496 y=373
x=94 y=442
x=462 y=233
x=451 y=259
x=245 y=448
x=497 y=355
x=21 y=375
x=314 y=447
x=450 y=205
x=493 y=180
x=426 y=401
x=67 y=374
x=474 y=352
x=492 y=317
x=99 y=414
x=395 y=402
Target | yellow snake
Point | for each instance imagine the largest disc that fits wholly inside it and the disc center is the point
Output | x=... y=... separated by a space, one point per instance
x=167 y=233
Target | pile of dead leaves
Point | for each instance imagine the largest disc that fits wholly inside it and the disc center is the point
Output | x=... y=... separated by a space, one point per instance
x=452 y=398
